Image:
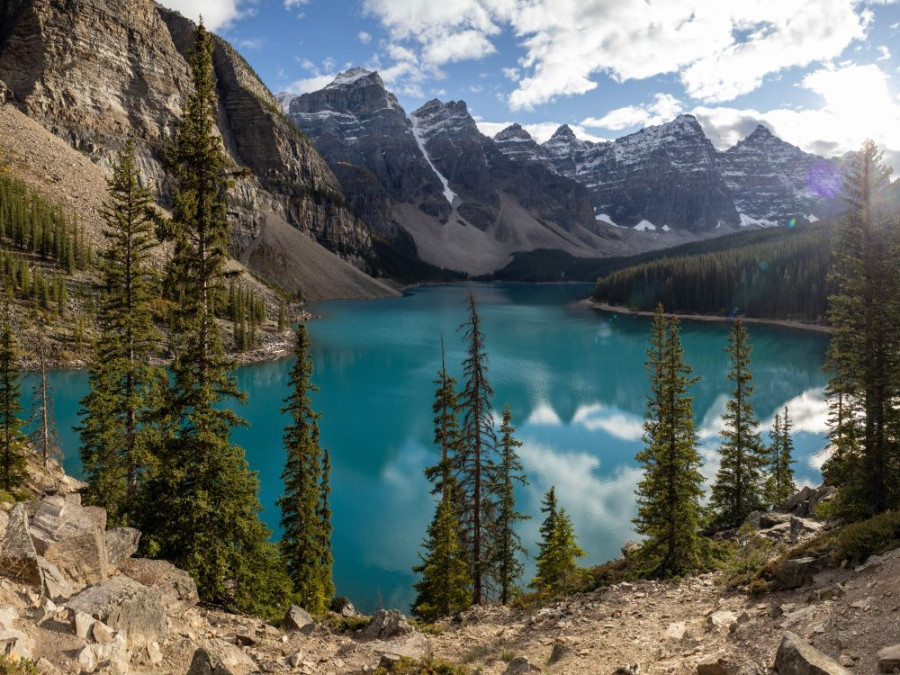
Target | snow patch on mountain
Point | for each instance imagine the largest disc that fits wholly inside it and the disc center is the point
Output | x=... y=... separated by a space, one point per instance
x=449 y=194
x=758 y=222
x=645 y=226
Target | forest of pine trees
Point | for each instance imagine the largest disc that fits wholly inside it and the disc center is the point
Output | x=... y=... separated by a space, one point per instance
x=784 y=276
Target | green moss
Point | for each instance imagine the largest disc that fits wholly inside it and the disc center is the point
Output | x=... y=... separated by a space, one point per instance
x=858 y=541
x=428 y=666
x=11 y=666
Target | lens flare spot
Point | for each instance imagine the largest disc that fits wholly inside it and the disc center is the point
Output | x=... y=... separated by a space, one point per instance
x=763 y=265
x=792 y=222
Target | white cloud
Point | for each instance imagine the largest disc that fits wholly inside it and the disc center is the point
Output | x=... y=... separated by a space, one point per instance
x=306 y=85
x=216 y=14
x=663 y=108
x=597 y=417
x=295 y=4
x=808 y=412
x=544 y=415
x=718 y=50
x=858 y=103
x=883 y=53
x=364 y=37
x=512 y=74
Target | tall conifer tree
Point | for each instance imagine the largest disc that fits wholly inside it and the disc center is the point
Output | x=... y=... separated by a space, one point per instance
x=864 y=354
x=200 y=506
x=476 y=461
x=305 y=543
x=505 y=542
x=739 y=485
x=780 y=483
x=447 y=435
x=669 y=494
x=12 y=440
x=125 y=389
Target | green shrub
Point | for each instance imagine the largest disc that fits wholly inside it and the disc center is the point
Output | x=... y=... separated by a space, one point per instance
x=857 y=541
x=507 y=655
x=11 y=666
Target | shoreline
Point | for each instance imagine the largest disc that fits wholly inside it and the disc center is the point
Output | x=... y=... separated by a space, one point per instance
x=711 y=318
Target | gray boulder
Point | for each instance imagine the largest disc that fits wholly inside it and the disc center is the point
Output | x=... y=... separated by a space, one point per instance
x=205 y=663
x=298 y=618
x=889 y=659
x=795 y=573
x=72 y=537
x=176 y=587
x=18 y=557
x=797 y=657
x=121 y=544
x=124 y=605
x=386 y=625
x=521 y=666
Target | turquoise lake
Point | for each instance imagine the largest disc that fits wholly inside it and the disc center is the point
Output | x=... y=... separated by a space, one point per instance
x=575 y=381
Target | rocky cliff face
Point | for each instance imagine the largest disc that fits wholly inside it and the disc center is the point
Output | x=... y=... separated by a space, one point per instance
x=433 y=176
x=773 y=181
x=98 y=71
x=665 y=176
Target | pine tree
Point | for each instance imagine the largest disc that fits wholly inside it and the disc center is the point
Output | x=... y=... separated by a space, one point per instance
x=506 y=568
x=780 y=484
x=200 y=506
x=125 y=390
x=12 y=440
x=475 y=463
x=669 y=494
x=557 y=570
x=326 y=527
x=445 y=586
x=304 y=503
x=739 y=485
x=864 y=354
x=446 y=428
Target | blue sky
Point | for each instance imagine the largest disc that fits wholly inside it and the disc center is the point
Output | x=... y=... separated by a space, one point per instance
x=821 y=74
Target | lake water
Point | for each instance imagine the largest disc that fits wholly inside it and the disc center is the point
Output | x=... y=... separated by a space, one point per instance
x=573 y=377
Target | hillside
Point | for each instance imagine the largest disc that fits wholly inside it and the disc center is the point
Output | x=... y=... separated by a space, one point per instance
x=74 y=599
x=290 y=223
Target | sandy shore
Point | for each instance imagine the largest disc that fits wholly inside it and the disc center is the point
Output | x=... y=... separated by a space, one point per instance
x=797 y=325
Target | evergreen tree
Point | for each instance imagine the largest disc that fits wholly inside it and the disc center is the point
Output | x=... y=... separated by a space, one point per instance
x=445 y=586
x=200 y=507
x=557 y=570
x=125 y=390
x=780 y=484
x=327 y=563
x=446 y=428
x=506 y=568
x=739 y=485
x=304 y=503
x=669 y=494
x=864 y=354
x=12 y=441
x=475 y=463
x=44 y=437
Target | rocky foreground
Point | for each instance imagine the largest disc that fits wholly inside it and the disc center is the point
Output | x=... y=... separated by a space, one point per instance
x=73 y=599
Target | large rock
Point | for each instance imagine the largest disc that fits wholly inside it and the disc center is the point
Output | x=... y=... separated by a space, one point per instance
x=72 y=537
x=125 y=605
x=805 y=502
x=797 y=657
x=115 y=652
x=521 y=666
x=56 y=585
x=298 y=618
x=18 y=557
x=795 y=573
x=176 y=586
x=387 y=625
x=217 y=657
x=889 y=659
x=121 y=544
x=13 y=642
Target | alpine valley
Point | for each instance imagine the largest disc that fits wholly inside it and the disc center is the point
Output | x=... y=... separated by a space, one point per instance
x=342 y=185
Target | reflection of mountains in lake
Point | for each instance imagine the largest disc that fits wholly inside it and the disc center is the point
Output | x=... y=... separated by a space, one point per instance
x=575 y=382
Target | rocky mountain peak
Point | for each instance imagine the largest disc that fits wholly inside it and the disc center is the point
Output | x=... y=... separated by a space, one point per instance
x=564 y=132
x=761 y=132
x=513 y=131
x=518 y=145
x=451 y=118
x=356 y=77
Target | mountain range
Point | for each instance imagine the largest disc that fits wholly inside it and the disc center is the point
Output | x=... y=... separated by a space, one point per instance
x=343 y=184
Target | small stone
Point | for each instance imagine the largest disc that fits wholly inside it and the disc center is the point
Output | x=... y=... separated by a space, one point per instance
x=102 y=633
x=296 y=659
x=846 y=660
x=520 y=666
x=559 y=652
x=154 y=654
x=722 y=621
x=797 y=657
x=83 y=623
x=298 y=618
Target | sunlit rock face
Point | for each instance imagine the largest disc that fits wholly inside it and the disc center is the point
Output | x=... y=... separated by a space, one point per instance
x=773 y=181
